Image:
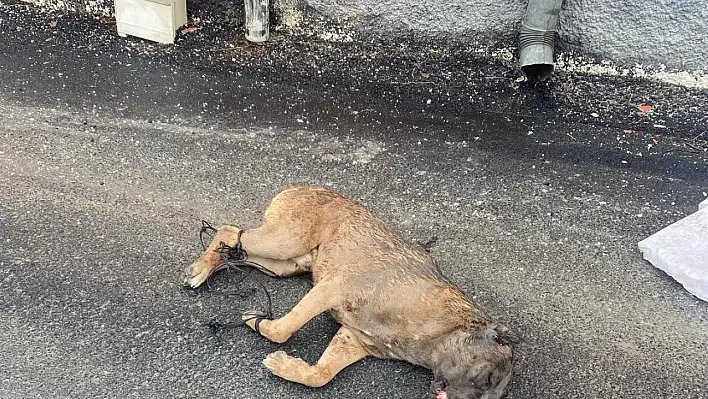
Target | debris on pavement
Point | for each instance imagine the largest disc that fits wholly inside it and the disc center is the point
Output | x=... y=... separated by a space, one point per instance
x=188 y=29
x=644 y=109
x=428 y=246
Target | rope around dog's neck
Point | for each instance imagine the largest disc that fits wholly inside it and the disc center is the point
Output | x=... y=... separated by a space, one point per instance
x=236 y=258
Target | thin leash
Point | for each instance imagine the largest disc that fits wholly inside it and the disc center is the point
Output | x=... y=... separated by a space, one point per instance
x=236 y=258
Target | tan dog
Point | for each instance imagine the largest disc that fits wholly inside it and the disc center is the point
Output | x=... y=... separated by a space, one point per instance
x=389 y=296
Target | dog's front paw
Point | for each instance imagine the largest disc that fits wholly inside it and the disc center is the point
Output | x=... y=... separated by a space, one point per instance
x=286 y=366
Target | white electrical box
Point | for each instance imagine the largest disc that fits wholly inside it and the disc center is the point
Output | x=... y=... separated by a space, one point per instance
x=155 y=20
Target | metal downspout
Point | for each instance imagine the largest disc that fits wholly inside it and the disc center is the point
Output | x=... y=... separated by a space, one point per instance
x=537 y=37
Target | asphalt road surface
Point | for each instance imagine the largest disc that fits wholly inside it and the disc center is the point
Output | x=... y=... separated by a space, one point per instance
x=110 y=158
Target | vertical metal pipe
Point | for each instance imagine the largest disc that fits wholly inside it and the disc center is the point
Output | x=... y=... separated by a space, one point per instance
x=537 y=38
x=257 y=20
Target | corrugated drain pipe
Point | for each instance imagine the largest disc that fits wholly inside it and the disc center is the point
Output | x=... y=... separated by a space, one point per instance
x=536 y=38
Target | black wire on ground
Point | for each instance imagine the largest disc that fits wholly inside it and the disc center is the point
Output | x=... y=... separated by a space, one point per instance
x=236 y=258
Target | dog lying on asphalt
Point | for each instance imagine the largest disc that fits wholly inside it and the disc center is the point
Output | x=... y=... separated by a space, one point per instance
x=389 y=296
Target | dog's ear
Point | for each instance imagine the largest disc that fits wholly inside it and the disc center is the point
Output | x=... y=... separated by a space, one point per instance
x=503 y=335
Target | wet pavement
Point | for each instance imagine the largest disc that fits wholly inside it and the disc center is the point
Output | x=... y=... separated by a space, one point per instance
x=112 y=151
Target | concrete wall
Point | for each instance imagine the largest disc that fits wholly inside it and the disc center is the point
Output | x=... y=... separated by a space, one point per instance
x=673 y=33
x=445 y=20
x=669 y=32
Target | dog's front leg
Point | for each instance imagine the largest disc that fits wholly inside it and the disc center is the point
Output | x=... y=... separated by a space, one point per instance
x=343 y=350
x=322 y=297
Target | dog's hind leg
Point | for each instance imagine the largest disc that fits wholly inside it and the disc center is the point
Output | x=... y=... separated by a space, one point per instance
x=256 y=243
x=277 y=239
x=322 y=297
x=344 y=350
x=210 y=261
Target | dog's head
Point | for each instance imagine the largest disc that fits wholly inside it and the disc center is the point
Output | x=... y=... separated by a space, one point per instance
x=478 y=368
